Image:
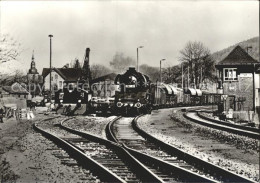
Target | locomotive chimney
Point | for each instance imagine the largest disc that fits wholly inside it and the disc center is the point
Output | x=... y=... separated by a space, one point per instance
x=131 y=69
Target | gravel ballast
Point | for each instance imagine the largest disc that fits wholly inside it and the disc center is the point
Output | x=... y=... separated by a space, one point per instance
x=187 y=137
x=92 y=125
x=26 y=156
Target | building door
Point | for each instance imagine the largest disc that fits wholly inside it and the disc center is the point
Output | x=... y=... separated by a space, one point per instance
x=232 y=102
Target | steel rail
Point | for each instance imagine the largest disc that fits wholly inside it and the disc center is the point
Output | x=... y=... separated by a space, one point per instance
x=178 y=172
x=223 y=127
x=227 y=176
x=247 y=128
x=103 y=173
x=143 y=172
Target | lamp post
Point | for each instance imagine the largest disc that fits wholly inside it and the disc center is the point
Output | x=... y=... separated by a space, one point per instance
x=182 y=75
x=138 y=58
x=161 y=69
x=50 y=36
x=188 y=76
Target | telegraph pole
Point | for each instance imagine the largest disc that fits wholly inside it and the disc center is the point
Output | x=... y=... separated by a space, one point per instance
x=50 y=36
x=161 y=69
x=182 y=75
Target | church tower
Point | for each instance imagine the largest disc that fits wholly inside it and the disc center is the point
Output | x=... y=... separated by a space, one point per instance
x=33 y=69
x=34 y=78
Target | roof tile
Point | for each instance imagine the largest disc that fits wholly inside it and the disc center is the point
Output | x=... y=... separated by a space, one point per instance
x=238 y=56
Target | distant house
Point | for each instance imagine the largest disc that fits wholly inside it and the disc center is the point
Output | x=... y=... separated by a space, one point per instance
x=110 y=77
x=240 y=78
x=59 y=76
x=16 y=90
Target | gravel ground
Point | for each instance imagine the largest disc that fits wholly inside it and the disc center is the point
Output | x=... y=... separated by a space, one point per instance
x=160 y=125
x=27 y=156
x=92 y=125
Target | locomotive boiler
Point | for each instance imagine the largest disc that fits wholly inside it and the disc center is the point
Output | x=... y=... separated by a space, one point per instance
x=134 y=95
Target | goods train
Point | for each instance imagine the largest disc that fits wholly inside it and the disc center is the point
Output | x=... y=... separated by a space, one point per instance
x=138 y=95
x=133 y=93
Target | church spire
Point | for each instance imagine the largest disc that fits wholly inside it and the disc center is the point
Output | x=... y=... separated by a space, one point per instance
x=33 y=69
x=33 y=56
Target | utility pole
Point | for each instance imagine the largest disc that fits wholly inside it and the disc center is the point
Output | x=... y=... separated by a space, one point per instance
x=201 y=74
x=161 y=69
x=188 y=76
x=50 y=36
x=181 y=75
x=138 y=58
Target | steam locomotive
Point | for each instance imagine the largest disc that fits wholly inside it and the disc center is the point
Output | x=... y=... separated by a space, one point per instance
x=134 y=95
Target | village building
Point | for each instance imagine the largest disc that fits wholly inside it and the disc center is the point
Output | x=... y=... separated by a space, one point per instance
x=59 y=76
x=62 y=76
x=16 y=90
x=239 y=82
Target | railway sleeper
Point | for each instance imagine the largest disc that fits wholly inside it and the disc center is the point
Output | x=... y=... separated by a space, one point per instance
x=140 y=170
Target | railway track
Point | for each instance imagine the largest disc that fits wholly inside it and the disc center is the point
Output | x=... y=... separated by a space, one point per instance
x=108 y=161
x=164 y=159
x=120 y=131
x=247 y=128
x=232 y=128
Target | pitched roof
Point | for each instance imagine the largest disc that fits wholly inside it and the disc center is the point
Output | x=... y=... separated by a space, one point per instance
x=110 y=76
x=16 y=88
x=69 y=74
x=238 y=56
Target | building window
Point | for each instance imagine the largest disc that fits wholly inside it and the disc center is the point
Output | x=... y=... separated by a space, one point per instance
x=56 y=76
x=230 y=74
x=60 y=84
x=52 y=78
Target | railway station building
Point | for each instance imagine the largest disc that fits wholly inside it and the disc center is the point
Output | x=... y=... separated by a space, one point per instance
x=59 y=76
x=239 y=76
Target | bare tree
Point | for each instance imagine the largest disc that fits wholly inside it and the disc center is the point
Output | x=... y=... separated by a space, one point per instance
x=9 y=48
x=172 y=74
x=17 y=76
x=120 y=63
x=197 y=62
x=98 y=70
x=75 y=64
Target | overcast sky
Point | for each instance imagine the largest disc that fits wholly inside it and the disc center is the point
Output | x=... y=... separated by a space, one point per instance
x=107 y=27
